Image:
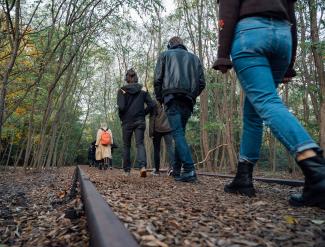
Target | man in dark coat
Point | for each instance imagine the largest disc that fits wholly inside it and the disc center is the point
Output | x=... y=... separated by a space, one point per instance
x=179 y=80
x=91 y=154
x=159 y=128
x=131 y=100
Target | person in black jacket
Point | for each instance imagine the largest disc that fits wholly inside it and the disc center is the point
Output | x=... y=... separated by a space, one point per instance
x=178 y=81
x=91 y=154
x=131 y=100
x=260 y=36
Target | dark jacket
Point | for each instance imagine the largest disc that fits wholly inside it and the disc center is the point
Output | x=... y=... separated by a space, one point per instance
x=131 y=100
x=92 y=151
x=178 y=72
x=158 y=121
x=231 y=11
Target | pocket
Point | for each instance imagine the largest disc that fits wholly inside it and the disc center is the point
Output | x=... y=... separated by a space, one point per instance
x=140 y=125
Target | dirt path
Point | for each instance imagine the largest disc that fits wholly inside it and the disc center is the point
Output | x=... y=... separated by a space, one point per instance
x=30 y=214
x=161 y=212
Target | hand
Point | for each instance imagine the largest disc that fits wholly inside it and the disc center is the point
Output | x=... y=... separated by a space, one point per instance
x=222 y=68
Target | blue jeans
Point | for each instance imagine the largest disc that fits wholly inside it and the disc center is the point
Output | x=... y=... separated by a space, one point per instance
x=178 y=117
x=261 y=54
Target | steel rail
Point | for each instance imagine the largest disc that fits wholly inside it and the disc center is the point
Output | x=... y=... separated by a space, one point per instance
x=105 y=229
x=288 y=182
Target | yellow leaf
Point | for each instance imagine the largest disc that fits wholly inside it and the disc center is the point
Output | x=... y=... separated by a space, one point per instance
x=290 y=219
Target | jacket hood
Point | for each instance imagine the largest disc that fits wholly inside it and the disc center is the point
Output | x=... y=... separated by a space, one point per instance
x=178 y=46
x=132 y=88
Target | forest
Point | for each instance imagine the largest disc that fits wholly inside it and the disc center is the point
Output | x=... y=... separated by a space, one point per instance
x=62 y=62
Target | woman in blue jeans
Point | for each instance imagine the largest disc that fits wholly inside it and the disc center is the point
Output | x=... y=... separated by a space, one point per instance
x=260 y=36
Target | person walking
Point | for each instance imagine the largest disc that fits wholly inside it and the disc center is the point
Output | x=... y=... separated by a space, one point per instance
x=159 y=128
x=91 y=154
x=261 y=37
x=131 y=100
x=178 y=81
x=103 y=144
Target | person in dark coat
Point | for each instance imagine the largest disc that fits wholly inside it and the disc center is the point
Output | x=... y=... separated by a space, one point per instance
x=178 y=81
x=261 y=38
x=159 y=128
x=91 y=154
x=114 y=146
x=131 y=100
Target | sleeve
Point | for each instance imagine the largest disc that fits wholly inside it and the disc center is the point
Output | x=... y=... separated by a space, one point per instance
x=150 y=103
x=228 y=17
x=201 y=78
x=291 y=11
x=98 y=137
x=159 y=76
x=151 y=125
x=152 y=118
x=110 y=132
x=121 y=104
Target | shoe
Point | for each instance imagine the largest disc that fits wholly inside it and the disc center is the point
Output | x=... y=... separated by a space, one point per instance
x=189 y=177
x=126 y=173
x=170 y=172
x=155 y=173
x=100 y=167
x=110 y=164
x=313 y=194
x=143 y=172
x=243 y=181
x=175 y=174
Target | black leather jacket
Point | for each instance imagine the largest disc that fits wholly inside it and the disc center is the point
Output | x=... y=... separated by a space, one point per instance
x=178 y=72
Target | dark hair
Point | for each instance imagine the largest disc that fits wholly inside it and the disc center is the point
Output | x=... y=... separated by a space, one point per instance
x=174 y=41
x=131 y=76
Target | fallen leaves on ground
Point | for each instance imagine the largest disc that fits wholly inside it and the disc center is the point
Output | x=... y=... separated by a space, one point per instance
x=32 y=212
x=161 y=212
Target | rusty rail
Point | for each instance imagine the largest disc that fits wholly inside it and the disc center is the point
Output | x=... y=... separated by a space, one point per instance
x=104 y=227
x=288 y=182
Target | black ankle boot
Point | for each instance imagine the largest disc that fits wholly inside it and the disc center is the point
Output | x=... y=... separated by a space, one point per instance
x=313 y=194
x=243 y=181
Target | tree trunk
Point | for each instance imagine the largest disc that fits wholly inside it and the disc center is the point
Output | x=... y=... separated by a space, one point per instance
x=318 y=59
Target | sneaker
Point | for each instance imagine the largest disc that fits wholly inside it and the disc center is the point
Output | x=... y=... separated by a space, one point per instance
x=175 y=174
x=189 y=177
x=111 y=168
x=155 y=173
x=143 y=172
x=170 y=172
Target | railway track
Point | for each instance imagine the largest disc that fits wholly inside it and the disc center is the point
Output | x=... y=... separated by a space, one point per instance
x=288 y=182
x=107 y=230
x=104 y=227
